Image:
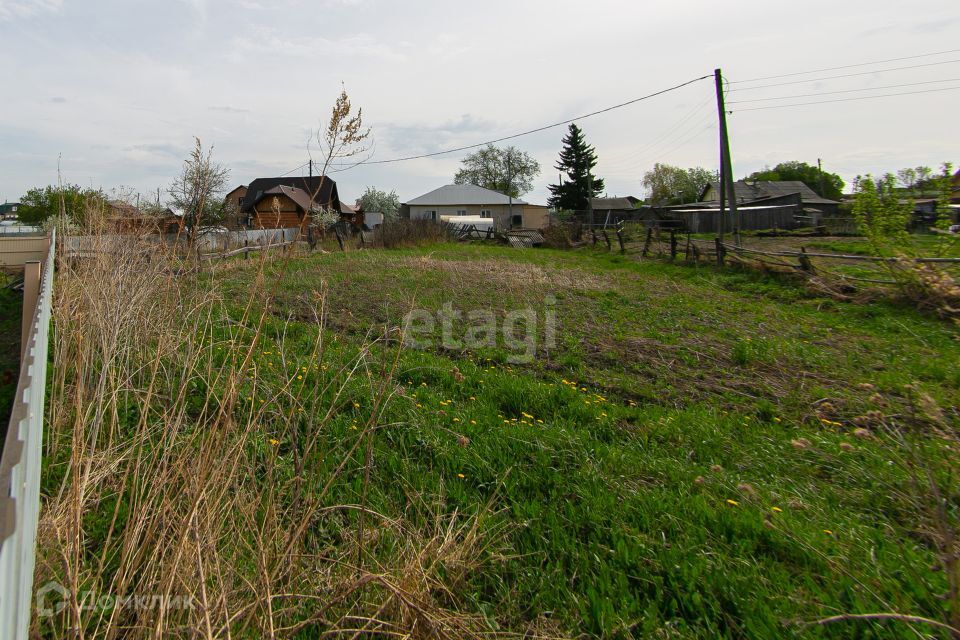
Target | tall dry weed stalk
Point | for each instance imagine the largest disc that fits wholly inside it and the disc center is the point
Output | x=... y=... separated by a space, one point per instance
x=163 y=479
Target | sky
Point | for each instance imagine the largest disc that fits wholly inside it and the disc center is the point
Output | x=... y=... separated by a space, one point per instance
x=112 y=92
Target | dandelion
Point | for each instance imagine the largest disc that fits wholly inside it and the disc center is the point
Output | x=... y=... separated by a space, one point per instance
x=828 y=532
x=733 y=502
x=775 y=419
x=456 y=419
x=356 y=405
x=299 y=377
x=473 y=422
x=777 y=509
x=526 y=415
x=419 y=405
x=461 y=476
x=274 y=441
x=472 y=398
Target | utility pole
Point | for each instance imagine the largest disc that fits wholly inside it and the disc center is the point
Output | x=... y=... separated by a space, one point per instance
x=820 y=171
x=509 y=189
x=726 y=167
x=590 y=194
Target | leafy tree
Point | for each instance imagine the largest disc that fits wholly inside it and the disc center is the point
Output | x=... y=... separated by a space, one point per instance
x=374 y=199
x=671 y=185
x=41 y=203
x=881 y=215
x=509 y=171
x=577 y=160
x=805 y=173
x=195 y=192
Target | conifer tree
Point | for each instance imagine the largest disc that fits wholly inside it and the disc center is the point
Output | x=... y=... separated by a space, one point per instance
x=577 y=160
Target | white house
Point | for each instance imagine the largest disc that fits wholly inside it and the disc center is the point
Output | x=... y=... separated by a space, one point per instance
x=471 y=200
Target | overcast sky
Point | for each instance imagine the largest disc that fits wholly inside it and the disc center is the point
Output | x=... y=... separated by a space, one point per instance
x=117 y=88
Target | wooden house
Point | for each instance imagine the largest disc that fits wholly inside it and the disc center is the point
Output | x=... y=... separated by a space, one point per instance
x=283 y=203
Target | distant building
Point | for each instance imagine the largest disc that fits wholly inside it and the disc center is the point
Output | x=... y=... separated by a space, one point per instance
x=750 y=190
x=471 y=200
x=9 y=210
x=285 y=202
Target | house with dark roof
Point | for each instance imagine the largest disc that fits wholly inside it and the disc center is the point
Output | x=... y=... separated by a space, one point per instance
x=751 y=190
x=285 y=202
x=470 y=200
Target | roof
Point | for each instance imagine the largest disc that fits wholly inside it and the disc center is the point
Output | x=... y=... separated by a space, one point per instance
x=300 y=197
x=602 y=204
x=325 y=189
x=757 y=189
x=466 y=194
x=348 y=209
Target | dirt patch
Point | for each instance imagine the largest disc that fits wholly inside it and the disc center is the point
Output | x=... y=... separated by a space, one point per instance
x=513 y=274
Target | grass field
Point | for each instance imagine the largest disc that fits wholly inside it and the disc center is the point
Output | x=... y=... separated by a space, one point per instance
x=697 y=454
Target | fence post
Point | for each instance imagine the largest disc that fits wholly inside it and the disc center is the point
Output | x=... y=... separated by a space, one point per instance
x=620 y=237
x=607 y=239
x=805 y=263
x=646 y=243
x=673 y=244
x=720 y=252
x=31 y=292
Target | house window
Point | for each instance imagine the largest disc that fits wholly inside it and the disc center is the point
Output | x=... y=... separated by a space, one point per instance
x=486 y=213
x=430 y=215
x=461 y=212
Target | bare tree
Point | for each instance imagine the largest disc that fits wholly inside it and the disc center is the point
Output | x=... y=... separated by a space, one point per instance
x=195 y=191
x=344 y=137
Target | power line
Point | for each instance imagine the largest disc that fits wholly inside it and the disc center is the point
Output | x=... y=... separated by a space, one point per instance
x=845 y=75
x=885 y=95
x=848 y=66
x=827 y=93
x=538 y=129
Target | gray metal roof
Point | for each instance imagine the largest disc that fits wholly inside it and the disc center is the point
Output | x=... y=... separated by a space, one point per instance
x=603 y=204
x=467 y=194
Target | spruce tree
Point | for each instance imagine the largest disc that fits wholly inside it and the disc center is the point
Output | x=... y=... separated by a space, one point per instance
x=577 y=160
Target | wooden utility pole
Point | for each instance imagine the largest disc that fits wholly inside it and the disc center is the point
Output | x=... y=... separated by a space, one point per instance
x=726 y=166
x=590 y=193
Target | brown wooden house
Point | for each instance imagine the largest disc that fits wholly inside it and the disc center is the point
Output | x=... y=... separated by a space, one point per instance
x=279 y=203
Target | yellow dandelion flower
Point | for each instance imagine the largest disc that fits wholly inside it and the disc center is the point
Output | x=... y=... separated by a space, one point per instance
x=473 y=422
x=456 y=419
x=356 y=405
x=733 y=502
x=828 y=532
x=777 y=509
x=472 y=398
x=461 y=476
x=419 y=405
x=299 y=377
x=274 y=441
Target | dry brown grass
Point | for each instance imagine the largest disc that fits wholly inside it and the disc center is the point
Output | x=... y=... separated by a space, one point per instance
x=168 y=484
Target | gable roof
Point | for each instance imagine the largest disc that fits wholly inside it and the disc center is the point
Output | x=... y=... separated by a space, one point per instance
x=616 y=204
x=757 y=189
x=325 y=188
x=467 y=194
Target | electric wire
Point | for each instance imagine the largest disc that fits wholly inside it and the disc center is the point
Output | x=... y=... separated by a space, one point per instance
x=844 y=75
x=847 y=66
x=886 y=95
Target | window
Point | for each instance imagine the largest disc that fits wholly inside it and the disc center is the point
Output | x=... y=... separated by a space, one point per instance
x=430 y=215
x=486 y=213
x=461 y=212
x=517 y=221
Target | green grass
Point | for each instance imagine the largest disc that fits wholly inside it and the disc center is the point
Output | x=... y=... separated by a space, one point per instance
x=643 y=472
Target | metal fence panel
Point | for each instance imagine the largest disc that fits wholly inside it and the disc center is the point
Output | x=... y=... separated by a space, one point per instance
x=20 y=470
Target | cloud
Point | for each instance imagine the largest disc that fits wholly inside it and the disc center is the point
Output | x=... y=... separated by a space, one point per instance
x=263 y=40
x=19 y=9
x=414 y=139
x=58 y=99
x=226 y=109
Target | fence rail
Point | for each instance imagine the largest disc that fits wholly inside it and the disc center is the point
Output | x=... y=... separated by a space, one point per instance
x=20 y=462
